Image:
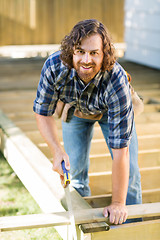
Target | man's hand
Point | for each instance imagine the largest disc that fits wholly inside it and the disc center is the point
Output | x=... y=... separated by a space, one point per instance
x=49 y=131
x=58 y=157
x=117 y=213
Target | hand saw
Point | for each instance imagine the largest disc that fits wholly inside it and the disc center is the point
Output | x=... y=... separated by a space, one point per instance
x=68 y=200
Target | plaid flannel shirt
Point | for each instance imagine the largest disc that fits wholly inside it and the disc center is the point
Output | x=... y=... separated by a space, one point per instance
x=107 y=92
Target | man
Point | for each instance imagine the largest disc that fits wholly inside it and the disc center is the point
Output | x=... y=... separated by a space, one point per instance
x=85 y=76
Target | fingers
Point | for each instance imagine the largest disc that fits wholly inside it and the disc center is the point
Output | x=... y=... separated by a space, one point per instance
x=62 y=181
x=57 y=160
x=117 y=213
x=58 y=157
x=67 y=163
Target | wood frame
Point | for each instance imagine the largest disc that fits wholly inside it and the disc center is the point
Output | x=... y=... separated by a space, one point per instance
x=21 y=154
x=81 y=217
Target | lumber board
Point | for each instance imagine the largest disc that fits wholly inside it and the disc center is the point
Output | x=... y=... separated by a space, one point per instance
x=148 y=117
x=22 y=154
x=83 y=216
x=148 y=196
x=146 y=142
x=141 y=128
x=149 y=92
x=151 y=195
x=35 y=171
x=149 y=128
x=142 y=230
x=139 y=86
x=146 y=158
x=12 y=138
x=150 y=108
x=99 y=145
x=101 y=182
x=7 y=95
x=146 y=129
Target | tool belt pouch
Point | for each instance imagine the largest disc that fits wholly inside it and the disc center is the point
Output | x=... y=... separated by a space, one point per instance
x=65 y=111
x=59 y=109
x=137 y=101
x=79 y=114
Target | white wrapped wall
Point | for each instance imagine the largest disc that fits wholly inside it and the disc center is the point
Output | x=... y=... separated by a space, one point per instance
x=142 y=32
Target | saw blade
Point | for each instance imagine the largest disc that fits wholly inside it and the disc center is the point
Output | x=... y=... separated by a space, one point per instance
x=70 y=209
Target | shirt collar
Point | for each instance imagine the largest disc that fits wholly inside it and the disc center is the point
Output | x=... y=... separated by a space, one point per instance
x=94 y=81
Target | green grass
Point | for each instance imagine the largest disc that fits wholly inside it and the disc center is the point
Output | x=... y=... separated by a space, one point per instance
x=15 y=200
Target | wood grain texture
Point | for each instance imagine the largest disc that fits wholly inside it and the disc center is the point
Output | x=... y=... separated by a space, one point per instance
x=83 y=216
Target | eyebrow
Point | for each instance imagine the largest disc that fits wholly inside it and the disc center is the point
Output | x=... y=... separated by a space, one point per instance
x=79 y=48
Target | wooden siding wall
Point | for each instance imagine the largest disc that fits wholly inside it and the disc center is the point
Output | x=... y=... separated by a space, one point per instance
x=46 y=22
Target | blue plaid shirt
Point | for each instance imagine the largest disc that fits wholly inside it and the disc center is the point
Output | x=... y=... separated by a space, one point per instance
x=107 y=92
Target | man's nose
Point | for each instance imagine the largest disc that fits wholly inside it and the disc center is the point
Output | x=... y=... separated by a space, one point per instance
x=87 y=58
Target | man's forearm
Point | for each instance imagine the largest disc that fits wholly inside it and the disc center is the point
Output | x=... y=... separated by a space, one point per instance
x=120 y=175
x=48 y=130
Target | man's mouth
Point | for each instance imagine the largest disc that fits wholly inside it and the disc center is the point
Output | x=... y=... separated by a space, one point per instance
x=86 y=67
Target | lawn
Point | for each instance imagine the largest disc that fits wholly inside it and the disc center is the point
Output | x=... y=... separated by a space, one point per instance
x=15 y=200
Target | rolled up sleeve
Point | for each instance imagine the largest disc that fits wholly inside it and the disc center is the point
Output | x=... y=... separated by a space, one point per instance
x=120 y=111
x=46 y=99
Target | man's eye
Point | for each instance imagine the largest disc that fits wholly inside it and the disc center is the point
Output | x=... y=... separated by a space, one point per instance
x=94 y=53
x=80 y=51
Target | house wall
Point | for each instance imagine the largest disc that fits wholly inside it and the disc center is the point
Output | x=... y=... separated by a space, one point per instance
x=142 y=31
x=24 y=22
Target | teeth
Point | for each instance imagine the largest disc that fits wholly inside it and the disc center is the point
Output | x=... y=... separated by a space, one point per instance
x=86 y=67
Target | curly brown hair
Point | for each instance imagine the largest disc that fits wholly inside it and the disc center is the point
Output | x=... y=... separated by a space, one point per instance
x=80 y=31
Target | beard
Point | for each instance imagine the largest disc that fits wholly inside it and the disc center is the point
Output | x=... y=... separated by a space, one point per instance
x=86 y=72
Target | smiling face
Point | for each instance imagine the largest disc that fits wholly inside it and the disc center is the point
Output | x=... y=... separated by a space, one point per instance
x=88 y=57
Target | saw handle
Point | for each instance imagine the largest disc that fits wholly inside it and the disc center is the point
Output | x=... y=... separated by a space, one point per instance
x=66 y=174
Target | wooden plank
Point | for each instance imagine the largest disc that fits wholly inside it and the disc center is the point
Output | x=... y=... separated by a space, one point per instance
x=83 y=216
x=15 y=146
x=148 y=196
x=101 y=182
x=39 y=189
x=99 y=145
x=151 y=195
x=149 y=128
x=143 y=230
x=152 y=108
x=103 y=162
x=22 y=154
x=148 y=117
x=13 y=137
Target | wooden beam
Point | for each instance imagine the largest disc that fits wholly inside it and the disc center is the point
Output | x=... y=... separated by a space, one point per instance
x=151 y=195
x=143 y=230
x=149 y=128
x=148 y=196
x=152 y=108
x=35 y=171
x=101 y=182
x=22 y=154
x=99 y=145
x=83 y=216
x=19 y=150
x=148 y=117
x=146 y=158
